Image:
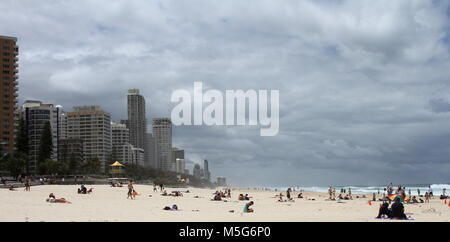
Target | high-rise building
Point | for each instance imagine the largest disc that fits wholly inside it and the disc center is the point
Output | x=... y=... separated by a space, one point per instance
x=176 y=154
x=151 y=151
x=221 y=181
x=196 y=172
x=180 y=166
x=206 y=170
x=162 y=132
x=93 y=126
x=137 y=156
x=36 y=115
x=136 y=123
x=8 y=104
x=121 y=143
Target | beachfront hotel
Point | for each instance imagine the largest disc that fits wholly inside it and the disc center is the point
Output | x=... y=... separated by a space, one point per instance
x=93 y=126
x=8 y=104
x=162 y=132
x=36 y=114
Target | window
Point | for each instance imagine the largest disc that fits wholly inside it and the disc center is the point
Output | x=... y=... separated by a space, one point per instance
x=5 y=53
x=6 y=47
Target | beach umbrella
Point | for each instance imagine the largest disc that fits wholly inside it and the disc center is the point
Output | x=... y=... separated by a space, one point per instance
x=393 y=196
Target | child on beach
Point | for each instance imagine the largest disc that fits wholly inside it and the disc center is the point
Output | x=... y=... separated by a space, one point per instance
x=247 y=208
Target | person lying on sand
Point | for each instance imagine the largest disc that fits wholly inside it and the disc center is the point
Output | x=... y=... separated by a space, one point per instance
x=57 y=200
x=174 y=208
x=164 y=193
x=300 y=195
x=247 y=208
x=11 y=188
x=51 y=195
x=176 y=194
x=241 y=197
x=217 y=197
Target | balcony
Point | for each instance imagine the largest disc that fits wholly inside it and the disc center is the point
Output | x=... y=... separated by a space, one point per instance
x=16 y=58
x=16 y=83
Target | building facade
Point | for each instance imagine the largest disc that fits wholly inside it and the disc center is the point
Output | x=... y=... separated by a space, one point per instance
x=121 y=143
x=196 y=172
x=207 y=174
x=9 y=69
x=93 y=126
x=36 y=115
x=162 y=132
x=151 y=151
x=136 y=123
x=180 y=166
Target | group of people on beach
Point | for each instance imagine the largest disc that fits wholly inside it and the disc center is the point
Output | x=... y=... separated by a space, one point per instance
x=343 y=195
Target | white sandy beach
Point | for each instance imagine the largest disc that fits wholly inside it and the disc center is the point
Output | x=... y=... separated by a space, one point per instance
x=111 y=204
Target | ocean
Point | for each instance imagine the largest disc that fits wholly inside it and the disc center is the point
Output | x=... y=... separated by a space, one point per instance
x=359 y=189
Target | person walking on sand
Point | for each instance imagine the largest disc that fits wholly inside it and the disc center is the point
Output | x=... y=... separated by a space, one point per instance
x=130 y=189
x=27 y=185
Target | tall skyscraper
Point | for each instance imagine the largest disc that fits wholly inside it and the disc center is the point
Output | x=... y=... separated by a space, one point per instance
x=93 y=126
x=151 y=151
x=8 y=104
x=36 y=114
x=206 y=170
x=136 y=123
x=162 y=132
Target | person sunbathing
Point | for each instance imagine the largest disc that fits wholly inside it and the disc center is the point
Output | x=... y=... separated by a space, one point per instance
x=300 y=195
x=11 y=188
x=217 y=197
x=57 y=200
x=164 y=193
x=241 y=197
x=51 y=195
x=247 y=208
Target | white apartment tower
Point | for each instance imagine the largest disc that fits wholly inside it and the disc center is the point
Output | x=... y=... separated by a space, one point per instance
x=93 y=126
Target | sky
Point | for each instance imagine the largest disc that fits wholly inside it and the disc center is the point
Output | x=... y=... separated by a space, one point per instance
x=364 y=85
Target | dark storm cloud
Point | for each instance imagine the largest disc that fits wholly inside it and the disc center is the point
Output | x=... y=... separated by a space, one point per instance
x=363 y=85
